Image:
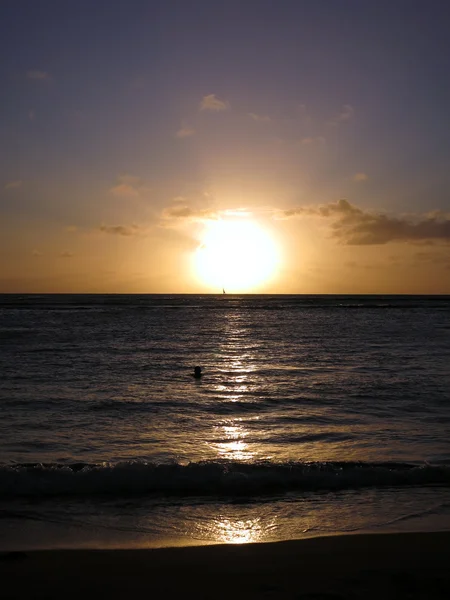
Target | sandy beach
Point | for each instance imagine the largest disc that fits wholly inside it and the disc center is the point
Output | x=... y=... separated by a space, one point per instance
x=407 y=565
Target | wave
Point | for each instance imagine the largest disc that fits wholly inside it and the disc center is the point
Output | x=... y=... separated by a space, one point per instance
x=210 y=478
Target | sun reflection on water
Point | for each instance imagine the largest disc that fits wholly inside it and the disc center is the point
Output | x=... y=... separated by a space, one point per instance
x=232 y=445
x=236 y=385
x=234 y=524
x=236 y=394
x=230 y=531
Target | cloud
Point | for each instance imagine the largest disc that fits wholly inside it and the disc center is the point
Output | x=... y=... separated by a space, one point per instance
x=178 y=212
x=37 y=75
x=347 y=113
x=260 y=118
x=358 y=177
x=66 y=254
x=125 y=190
x=349 y=224
x=185 y=131
x=356 y=227
x=211 y=102
x=182 y=212
x=13 y=185
x=124 y=230
x=36 y=253
x=127 y=186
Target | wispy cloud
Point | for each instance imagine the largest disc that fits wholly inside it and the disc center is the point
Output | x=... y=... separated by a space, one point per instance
x=37 y=75
x=185 y=131
x=349 y=224
x=36 y=252
x=359 y=177
x=347 y=112
x=182 y=212
x=356 y=227
x=211 y=102
x=259 y=118
x=13 y=185
x=124 y=190
x=124 y=230
x=66 y=254
x=127 y=186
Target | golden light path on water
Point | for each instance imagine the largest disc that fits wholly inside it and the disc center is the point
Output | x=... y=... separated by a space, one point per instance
x=240 y=363
x=239 y=437
x=232 y=444
x=242 y=438
x=233 y=432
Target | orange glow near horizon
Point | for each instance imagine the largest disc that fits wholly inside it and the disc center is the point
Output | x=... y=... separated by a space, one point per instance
x=237 y=255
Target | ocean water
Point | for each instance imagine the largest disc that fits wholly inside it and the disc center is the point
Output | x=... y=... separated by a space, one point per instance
x=315 y=415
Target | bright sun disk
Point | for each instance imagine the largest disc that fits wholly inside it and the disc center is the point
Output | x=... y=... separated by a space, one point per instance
x=237 y=255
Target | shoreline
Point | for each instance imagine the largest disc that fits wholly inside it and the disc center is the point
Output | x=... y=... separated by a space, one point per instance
x=381 y=565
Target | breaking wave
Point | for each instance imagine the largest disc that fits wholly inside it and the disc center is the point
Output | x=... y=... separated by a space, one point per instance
x=210 y=478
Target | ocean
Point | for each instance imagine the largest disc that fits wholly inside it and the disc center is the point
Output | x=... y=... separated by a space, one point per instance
x=315 y=415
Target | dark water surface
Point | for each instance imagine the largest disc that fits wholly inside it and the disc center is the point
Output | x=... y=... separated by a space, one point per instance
x=315 y=414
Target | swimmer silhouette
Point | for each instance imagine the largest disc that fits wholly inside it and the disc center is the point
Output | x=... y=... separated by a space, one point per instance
x=197 y=372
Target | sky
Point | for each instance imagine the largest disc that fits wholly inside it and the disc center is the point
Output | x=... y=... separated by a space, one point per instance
x=129 y=129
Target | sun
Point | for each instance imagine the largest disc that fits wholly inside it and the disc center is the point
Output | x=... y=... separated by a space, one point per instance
x=237 y=255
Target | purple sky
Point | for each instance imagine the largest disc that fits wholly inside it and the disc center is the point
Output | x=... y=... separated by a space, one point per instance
x=115 y=111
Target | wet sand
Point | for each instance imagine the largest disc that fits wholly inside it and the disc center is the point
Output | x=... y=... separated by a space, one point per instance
x=382 y=566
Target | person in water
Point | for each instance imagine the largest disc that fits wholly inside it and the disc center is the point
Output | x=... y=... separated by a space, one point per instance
x=197 y=372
